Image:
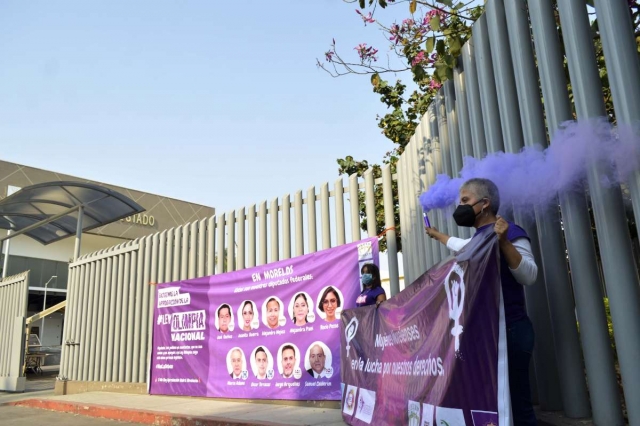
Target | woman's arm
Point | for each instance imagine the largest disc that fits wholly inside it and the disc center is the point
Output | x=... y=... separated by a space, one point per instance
x=453 y=243
x=381 y=298
x=517 y=254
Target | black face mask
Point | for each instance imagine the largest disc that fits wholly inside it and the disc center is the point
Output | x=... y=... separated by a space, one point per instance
x=465 y=215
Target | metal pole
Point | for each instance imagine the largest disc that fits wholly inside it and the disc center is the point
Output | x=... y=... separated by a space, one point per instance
x=478 y=141
x=5 y=262
x=454 y=140
x=389 y=223
x=578 y=235
x=621 y=275
x=76 y=252
x=44 y=306
x=552 y=249
x=623 y=66
x=443 y=137
x=487 y=86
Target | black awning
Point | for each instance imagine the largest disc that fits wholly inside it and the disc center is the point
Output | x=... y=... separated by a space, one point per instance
x=40 y=202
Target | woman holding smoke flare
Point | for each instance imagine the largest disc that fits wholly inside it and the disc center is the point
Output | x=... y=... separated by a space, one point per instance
x=478 y=208
x=372 y=291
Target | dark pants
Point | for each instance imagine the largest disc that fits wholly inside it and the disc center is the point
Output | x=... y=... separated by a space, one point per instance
x=520 y=338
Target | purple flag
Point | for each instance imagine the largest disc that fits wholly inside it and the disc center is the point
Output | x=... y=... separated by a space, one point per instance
x=269 y=332
x=434 y=354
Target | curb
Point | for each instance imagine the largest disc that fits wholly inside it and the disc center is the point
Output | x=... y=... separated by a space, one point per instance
x=156 y=418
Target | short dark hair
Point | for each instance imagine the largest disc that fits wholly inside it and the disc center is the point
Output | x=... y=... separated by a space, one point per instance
x=224 y=305
x=374 y=271
x=329 y=289
x=273 y=299
x=285 y=347
x=260 y=349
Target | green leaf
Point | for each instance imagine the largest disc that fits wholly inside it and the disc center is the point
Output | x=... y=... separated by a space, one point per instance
x=434 y=23
x=418 y=71
x=375 y=79
x=431 y=42
x=382 y=3
x=455 y=45
x=447 y=2
x=441 y=71
x=361 y=4
x=413 y=6
x=450 y=60
x=449 y=73
x=440 y=47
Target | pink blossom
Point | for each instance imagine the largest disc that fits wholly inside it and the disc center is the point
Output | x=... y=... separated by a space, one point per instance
x=368 y=19
x=434 y=85
x=329 y=55
x=366 y=53
x=418 y=59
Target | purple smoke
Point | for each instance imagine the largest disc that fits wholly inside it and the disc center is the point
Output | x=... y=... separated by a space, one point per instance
x=535 y=176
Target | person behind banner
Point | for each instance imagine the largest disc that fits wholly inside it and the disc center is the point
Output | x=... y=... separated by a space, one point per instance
x=300 y=309
x=478 y=208
x=247 y=315
x=329 y=303
x=316 y=360
x=224 y=318
x=273 y=313
x=236 y=363
x=288 y=361
x=372 y=291
x=261 y=363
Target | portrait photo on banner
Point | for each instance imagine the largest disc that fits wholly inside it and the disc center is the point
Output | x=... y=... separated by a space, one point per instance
x=262 y=363
x=329 y=303
x=289 y=361
x=301 y=309
x=224 y=318
x=248 y=318
x=273 y=312
x=318 y=360
x=237 y=364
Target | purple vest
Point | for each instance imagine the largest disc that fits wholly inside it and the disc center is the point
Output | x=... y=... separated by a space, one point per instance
x=512 y=291
x=368 y=296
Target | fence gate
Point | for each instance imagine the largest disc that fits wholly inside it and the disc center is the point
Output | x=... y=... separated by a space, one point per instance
x=14 y=291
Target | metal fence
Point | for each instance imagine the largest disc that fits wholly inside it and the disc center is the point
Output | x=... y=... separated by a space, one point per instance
x=107 y=333
x=14 y=291
x=494 y=103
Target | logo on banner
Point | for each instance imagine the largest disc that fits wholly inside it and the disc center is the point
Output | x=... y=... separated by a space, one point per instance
x=350 y=332
x=454 y=287
x=350 y=400
x=366 y=405
x=414 y=413
x=450 y=417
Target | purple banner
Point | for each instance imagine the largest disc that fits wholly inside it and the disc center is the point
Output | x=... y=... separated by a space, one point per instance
x=434 y=354
x=269 y=332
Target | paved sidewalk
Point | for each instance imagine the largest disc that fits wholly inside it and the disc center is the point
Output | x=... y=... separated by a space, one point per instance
x=185 y=411
x=182 y=411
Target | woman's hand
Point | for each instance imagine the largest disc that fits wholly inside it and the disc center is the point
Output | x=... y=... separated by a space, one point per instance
x=437 y=235
x=432 y=232
x=501 y=228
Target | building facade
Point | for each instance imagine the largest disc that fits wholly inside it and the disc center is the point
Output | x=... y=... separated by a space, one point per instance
x=48 y=265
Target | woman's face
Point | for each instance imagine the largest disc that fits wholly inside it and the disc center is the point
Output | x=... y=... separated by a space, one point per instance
x=330 y=304
x=261 y=362
x=247 y=314
x=273 y=313
x=300 y=309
